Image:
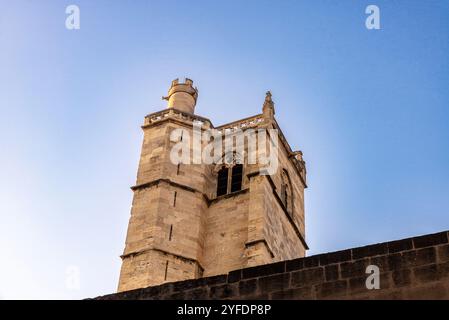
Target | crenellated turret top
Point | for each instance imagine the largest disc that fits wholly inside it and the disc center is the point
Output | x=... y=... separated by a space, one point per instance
x=182 y=96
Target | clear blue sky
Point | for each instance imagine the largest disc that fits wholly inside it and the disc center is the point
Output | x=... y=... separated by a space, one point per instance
x=369 y=109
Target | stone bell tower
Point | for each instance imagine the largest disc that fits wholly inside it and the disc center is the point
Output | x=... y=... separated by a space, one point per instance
x=193 y=220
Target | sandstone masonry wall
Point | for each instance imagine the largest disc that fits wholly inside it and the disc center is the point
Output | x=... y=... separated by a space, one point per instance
x=413 y=268
x=180 y=229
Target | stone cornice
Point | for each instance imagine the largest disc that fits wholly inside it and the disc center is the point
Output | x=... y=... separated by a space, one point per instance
x=188 y=188
x=228 y=195
x=172 y=183
x=263 y=241
x=173 y=114
x=179 y=256
x=255 y=121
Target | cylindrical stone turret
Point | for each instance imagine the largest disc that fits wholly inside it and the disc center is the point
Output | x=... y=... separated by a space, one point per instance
x=182 y=96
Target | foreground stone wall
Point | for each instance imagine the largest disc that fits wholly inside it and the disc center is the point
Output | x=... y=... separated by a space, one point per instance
x=414 y=268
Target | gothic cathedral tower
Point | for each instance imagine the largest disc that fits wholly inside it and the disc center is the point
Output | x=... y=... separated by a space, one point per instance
x=201 y=219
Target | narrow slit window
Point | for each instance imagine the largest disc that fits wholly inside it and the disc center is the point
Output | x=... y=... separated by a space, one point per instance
x=286 y=193
x=166 y=270
x=222 y=182
x=177 y=169
x=171 y=233
x=236 y=181
x=174 y=199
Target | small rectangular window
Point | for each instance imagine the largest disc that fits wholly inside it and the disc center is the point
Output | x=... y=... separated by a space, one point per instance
x=166 y=270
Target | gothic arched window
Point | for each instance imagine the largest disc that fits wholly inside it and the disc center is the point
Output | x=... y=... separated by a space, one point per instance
x=230 y=175
x=284 y=194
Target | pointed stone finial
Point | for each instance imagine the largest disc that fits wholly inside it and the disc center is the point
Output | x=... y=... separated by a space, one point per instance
x=268 y=97
x=268 y=106
x=297 y=155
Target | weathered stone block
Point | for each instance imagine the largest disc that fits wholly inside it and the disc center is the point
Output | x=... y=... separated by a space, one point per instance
x=307 y=277
x=414 y=258
x=332 y=289
x=303 y=293
x=248 y=287
x=263 y=270
x=175 y=296
x=400 y=245
x=197 y=294
x=160 y=290
x=371 y=250
x=443 y=270
x=358 y=285
x=402 y=277
x=335 y=257
x=332 y=272
x=313 y=261
x=274 y=283
x=185 y=285
x=295 y=264
x=223 y=291
x=214 y=280
x=430 y=240
x=353 y=269
x=234 y=276
x=426 y=273
x=443 y=253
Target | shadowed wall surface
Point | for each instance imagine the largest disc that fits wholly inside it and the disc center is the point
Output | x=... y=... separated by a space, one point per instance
x=413 y=268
